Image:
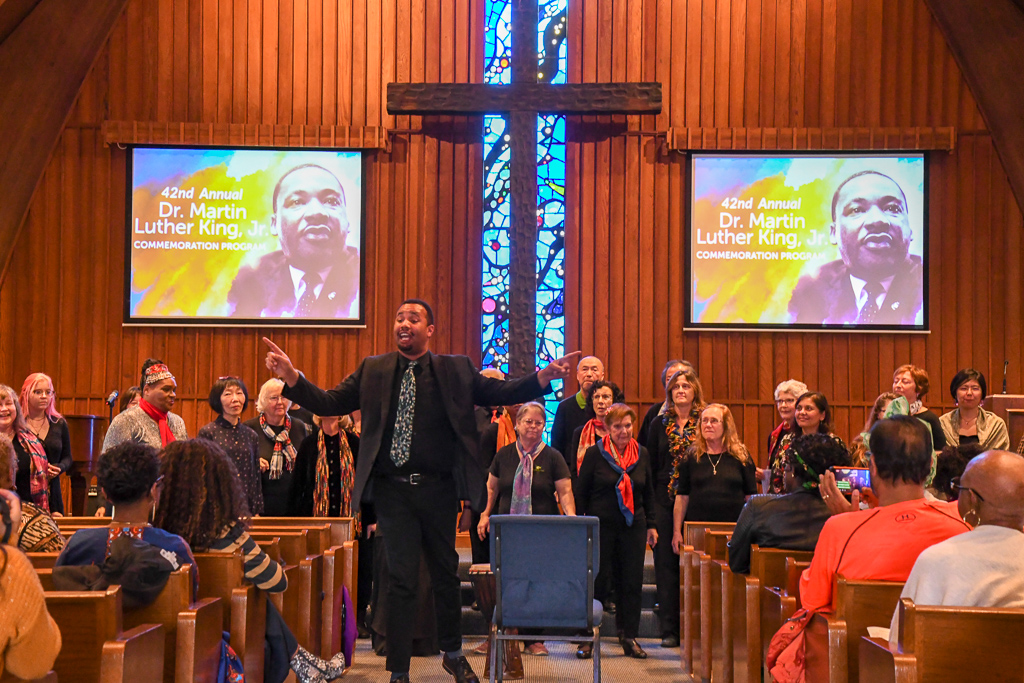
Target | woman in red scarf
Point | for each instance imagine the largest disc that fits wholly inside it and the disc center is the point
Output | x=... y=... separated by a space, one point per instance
x=616 y=486
x=601 y=397
x=786 y=395
x=33 y=479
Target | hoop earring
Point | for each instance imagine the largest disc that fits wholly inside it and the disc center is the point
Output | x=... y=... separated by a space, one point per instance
x=977 y=516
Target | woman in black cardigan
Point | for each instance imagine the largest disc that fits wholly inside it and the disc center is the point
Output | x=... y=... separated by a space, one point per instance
x=281 y=436
x=616 y=486
x=38 y=405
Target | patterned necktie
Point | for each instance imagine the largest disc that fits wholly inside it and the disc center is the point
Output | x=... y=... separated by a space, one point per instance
x=870 y=311
x=305 y=307
x=403 y=420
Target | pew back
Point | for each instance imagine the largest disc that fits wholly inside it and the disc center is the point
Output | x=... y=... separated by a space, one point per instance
x=223 y=576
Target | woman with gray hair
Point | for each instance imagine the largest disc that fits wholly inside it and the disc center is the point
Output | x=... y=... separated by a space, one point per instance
x=786 y=395
x=281 y=435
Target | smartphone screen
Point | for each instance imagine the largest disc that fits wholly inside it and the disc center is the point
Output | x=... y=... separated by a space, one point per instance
x=849 y=479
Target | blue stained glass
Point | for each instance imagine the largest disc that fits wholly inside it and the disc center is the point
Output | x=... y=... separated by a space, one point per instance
x=551 y=68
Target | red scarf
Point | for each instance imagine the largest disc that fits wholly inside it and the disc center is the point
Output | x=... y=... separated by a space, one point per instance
x=160 y=417
x=587 y=439
x=625 y=462
x=39 y=484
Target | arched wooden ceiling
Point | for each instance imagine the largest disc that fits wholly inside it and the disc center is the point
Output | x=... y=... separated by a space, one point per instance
x=47 y=49
x=987 y=40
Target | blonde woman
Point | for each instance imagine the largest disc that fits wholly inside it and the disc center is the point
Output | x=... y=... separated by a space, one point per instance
x=716 y=477
x=281 y=435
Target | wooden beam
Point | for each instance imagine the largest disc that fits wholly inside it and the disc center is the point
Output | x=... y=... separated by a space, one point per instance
x=244 y=135
x=571 y=98
x=988 y=45
x=43 y=63
x=811 y=139
x=12 y=13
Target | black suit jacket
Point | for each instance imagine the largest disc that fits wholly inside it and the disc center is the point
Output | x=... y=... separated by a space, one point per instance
x=826 y=297
x=266 y=289
x=369 y=389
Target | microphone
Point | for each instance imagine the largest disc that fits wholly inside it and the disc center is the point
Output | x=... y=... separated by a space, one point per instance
x=115 y=393
x=1006 y=364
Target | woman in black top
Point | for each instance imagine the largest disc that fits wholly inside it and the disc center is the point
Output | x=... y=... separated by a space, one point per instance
x=794 y=520
x=615 y=470
x=527 y=477
x=325 y=472
x=715 y=478
x=670 y=436
x=229 y=398
x=38 y=404
x=280 y=438
x=913 y=383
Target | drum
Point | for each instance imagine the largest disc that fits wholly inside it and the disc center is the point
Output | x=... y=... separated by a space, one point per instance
x=484 y=585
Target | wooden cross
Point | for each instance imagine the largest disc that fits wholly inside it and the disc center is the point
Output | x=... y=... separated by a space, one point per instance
x=522 y=102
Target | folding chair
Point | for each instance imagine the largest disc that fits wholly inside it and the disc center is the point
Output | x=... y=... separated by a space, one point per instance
x=544 y=568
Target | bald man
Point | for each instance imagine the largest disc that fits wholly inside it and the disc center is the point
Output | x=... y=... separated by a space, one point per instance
x=985 y=566
x=572 y=411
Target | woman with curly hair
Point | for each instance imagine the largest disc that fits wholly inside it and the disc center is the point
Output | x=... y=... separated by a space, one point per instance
x=715 y=478
x=208 y=509
x=859 y=449
x=669 y=437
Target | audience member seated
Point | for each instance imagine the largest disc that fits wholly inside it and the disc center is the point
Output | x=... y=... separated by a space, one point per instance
x=280 y=437
x=811 y=415
x=39 y=406
x=524 y=479
x=37 y=533
x=672 y=433
x=129 y=476
x=229 y=398
x=615 y=485
x=658 y=409
x=325 y=472
x=881 y=543
x=950 y=464
x=574 y=411
x=151 y=421
x=794 y=520
x=912 y=383
x=969 y=422
x=858 y=448
x=29 y=638
x=716 y=477
x=32 y=482
x=208 y=510
x=985 y=566
x=602 y=396
x=786 y=395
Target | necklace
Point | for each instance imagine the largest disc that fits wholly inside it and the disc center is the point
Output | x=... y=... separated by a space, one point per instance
x=714 y=465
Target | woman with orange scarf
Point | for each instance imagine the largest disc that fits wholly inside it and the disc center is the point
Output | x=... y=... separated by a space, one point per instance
x=499 y=433
x=616 y=486
x=602 y=395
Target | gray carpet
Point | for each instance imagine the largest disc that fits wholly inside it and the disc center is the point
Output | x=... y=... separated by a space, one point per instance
x=561 y=665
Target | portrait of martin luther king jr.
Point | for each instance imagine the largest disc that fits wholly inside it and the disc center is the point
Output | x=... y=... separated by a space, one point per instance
x=315 y=273
x=876 y=281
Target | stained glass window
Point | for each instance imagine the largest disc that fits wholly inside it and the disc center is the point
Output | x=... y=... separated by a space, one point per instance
x=551 y=68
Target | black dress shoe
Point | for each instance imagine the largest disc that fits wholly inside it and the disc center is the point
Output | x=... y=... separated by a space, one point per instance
x=459 y=668
x=404 y=678
x=631 y=648
x=609 y=607
x=584 y=651
x=670 y=640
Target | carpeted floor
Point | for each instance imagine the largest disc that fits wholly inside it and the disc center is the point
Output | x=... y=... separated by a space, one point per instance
x=561 y=665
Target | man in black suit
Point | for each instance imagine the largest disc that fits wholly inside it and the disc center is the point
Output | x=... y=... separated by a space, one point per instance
x=417 y=458
x=876 y=282
x=315 y=274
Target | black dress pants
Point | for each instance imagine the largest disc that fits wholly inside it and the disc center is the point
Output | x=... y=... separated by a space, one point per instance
x=622 y=569
x=666 y=572
x=419 y=519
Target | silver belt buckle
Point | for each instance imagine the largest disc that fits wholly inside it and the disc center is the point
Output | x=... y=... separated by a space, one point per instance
x=415 y=479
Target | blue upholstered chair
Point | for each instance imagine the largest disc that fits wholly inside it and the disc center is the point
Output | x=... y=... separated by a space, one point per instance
x=544 y=569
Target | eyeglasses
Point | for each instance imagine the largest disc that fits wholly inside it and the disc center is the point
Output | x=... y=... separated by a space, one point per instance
x=43 y=392
x=954 y=484
x=785 y=401
x=710 y=421
x=533 y=423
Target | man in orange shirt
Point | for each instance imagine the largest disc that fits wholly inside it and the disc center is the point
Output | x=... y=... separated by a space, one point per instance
x=881 y=543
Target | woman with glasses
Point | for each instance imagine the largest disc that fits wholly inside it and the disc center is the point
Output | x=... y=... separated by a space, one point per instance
x=786 y=395
x=715 y=478
x=527 y=477
x=969 y=422
x=39 y=406
x=280 y=436
x=229 y=398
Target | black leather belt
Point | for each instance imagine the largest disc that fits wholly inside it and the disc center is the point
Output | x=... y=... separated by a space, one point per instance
x=417 y=478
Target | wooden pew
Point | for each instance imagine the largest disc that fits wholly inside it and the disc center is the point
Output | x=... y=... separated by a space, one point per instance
x=303 y=600
x=43 y=560
x=779 y=603
x=946 y=645
x=689 y=587
x=712 y=628
x=94 y=648
x=833 y=639
x=223 y=577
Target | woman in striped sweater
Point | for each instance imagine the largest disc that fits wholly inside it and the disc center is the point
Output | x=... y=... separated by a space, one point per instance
x=204 y=504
